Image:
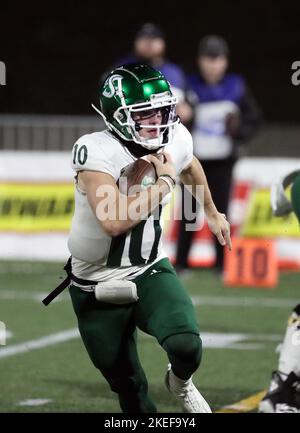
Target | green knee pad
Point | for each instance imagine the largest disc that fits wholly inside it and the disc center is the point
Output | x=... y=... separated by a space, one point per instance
x=184 y=352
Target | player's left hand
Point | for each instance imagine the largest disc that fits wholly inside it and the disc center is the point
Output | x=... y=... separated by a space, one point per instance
x=220 y=227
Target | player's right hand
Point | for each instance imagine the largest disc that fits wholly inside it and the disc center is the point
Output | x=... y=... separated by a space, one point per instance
x=162 y=168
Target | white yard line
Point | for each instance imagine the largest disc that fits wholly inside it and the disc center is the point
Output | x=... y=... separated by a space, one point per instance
x=20 y=295
x=39 y=343
x=230 y=301
x=35 y=402
x=222 y=301
x=211 y=340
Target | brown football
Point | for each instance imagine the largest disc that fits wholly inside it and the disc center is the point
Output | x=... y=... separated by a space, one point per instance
x=139 y=174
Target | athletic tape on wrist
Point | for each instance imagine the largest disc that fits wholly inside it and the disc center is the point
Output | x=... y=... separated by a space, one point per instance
x=169 y=181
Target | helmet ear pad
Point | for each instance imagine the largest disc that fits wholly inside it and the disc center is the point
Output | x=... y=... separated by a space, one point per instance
x=120 y=116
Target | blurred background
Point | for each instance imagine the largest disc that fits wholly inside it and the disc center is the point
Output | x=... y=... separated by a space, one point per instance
x=55 y=60
x=54 y=57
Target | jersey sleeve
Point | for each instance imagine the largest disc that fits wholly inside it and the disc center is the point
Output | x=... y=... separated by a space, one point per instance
x=89 y=154
x=280 y=204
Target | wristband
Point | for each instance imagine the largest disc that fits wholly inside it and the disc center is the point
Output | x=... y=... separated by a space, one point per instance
x=170 y=177
x=169 y=181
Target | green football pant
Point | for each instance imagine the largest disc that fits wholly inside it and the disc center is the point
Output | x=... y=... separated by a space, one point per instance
x=295 y=197
x=164 y=310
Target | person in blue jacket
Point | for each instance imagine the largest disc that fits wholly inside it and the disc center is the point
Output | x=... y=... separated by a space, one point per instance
x=225 y=117
x=149 y=47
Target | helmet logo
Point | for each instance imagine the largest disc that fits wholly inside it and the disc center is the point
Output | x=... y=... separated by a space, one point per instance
x=113 y=86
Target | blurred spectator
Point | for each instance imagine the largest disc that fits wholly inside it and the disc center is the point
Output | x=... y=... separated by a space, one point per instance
x=149 y=47
x=225 y=117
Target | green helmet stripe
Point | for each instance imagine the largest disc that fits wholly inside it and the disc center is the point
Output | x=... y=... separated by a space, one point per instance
x=129 y=72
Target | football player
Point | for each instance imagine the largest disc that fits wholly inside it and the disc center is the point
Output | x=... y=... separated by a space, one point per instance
x=284 y=390
x=121 y=278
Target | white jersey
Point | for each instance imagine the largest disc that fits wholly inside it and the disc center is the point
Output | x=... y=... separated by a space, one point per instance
x=96 y=255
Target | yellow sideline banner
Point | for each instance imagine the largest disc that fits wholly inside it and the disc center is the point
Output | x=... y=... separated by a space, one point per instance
x=259 y=220
x=36 y=207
